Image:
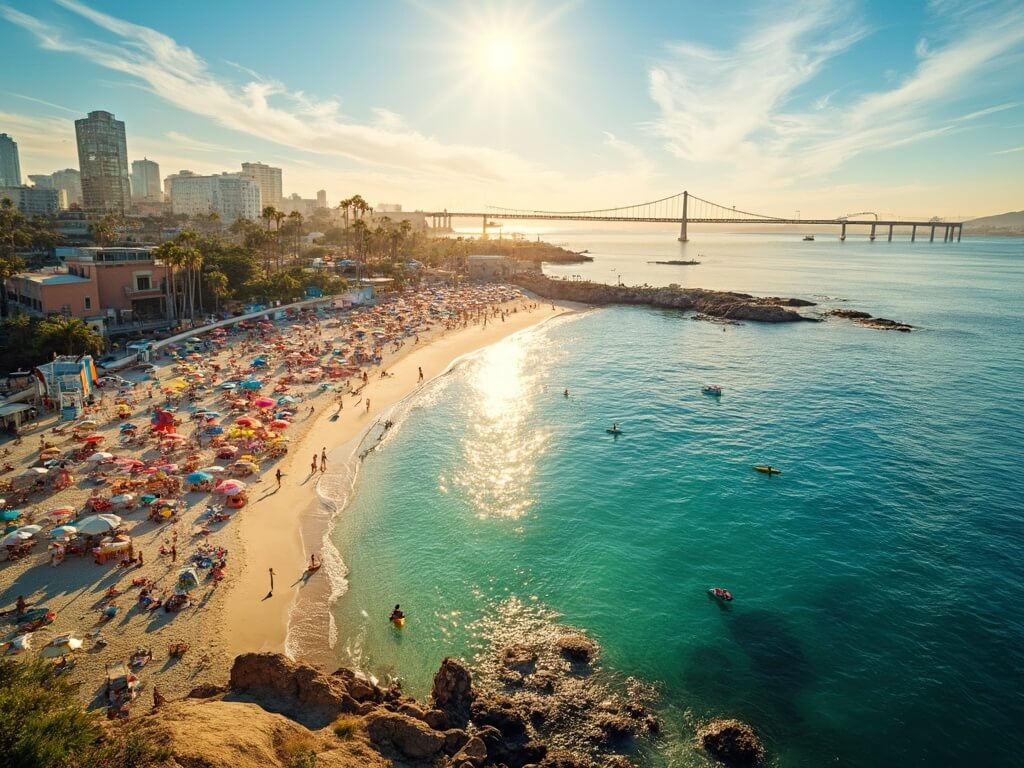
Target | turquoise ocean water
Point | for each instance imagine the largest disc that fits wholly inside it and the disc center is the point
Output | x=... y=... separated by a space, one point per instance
x=879 y=611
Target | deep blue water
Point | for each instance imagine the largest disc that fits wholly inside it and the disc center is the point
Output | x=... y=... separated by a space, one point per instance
x=879 y=611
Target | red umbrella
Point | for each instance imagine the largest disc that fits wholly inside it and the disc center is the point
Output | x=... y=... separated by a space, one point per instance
x=95 y=438
x=280 y=424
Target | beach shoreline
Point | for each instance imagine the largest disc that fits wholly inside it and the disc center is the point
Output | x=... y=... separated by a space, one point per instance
x=278 y=526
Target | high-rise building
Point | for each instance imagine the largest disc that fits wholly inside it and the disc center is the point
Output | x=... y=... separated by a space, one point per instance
x=103 y=161
x=269 y=181
x=68 y=182
x=229 y=195
x=10 y=168
x=146 y=181
x=321 y=198
x=32 y=201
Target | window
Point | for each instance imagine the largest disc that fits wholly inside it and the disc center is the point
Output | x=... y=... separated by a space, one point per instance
x=88 y=302
x=142 y=283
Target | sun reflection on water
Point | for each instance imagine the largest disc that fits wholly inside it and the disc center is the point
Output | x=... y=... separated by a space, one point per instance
x=500 y=447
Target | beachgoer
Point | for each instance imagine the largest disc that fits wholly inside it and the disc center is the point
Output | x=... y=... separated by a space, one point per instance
x=174 y=553
x=566 y=393
x=313 y=562
x=421 y=373
x=313 y=466
x=278 y=476
x=323 y=456
x=271 y=581
x=367 y=405
x=20 y=605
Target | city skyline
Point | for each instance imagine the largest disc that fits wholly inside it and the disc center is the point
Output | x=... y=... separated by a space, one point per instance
x=818 y=106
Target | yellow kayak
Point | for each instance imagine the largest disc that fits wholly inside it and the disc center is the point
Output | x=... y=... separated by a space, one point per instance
x=767 y=470
x=398 y=623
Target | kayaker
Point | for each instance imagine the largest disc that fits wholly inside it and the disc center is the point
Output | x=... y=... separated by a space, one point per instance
x=396 y=614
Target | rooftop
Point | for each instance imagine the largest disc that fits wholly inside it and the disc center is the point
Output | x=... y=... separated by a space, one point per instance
x=52 y=278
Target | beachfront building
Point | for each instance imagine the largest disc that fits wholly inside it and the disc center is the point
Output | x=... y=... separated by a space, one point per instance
x=103 y=161
x=66 y=382
x=268 y=179
x=146 y=182
x=488 y=267
x=32 y=201
x=67 y=182
x=10 y=166
x=230 y=195
x=114 y=289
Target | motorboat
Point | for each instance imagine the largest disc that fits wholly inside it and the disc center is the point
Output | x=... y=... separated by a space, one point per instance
x=808 y=238
x=712 y=389
x=720 y=594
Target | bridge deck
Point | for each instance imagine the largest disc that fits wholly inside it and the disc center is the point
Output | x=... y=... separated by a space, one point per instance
x=689 y=220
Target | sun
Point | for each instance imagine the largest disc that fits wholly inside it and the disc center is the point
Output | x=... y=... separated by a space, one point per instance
x=503 y=56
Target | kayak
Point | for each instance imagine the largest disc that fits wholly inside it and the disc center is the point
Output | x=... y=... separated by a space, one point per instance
x=767 y=470
x=398 y=623
x=721 y=594
x=712 y=390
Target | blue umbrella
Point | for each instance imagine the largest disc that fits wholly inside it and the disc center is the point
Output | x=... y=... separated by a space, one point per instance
x=285 y=399
x=147 y=498
x=252 y=384
x=199 y=477
x=215 y=429
x=228 y=385
x=10 y=514
x=128 y=427
x=259 y=362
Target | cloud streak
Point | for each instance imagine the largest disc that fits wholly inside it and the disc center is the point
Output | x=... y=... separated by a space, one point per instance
x=264 y=108
x=737 y=106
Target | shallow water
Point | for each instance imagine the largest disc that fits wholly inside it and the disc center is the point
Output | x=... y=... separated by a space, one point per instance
x=879 y=590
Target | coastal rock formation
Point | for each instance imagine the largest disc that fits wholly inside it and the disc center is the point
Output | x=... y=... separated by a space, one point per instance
x=577 y=648
x=865 y=319
x=732 y=742
x=452 y=692
x=406 y=735
x=722 y=304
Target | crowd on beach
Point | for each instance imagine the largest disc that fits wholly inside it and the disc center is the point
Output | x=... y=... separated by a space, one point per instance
x=118 y=524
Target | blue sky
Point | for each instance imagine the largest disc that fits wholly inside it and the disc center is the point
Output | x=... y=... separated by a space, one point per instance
x=823 y=106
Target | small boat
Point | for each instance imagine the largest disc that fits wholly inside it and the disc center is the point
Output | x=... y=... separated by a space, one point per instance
x=613 y=431
x=712 y=389
x=808 y=238
x=720 y=594
x=399 y=622
x=768 y=470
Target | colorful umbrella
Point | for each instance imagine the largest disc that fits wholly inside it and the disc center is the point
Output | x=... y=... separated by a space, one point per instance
x=285 y=399
x=122 y=498
x=63 y=532
x=279 y=424
x=10 y=515
x=199 y=477
x=99 y=456
x=15 y=538
x=230 y=487
x=263 y=402
x=252 y=384
x=61 y=513
x=94 y=525
x=94 y=438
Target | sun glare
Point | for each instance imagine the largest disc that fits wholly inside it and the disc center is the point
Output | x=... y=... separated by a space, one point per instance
x=502 y=56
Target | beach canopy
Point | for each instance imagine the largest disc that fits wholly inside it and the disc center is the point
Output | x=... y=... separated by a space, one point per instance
x=252 y=384
x=188 y=580
x=199 y=477
x=10 y=515
x=263 y=402
x=249 y=421
x=63 y=532
x=94 y=525
x=230 y=487
x=15 y=538
x=193 y=340
x=99 y=456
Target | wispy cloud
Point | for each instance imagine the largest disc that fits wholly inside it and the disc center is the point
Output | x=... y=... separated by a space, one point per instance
x=261 y=107
x=1009 y=151
x=738 y=106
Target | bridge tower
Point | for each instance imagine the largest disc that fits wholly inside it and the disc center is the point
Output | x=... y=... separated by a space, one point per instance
x=682 y=223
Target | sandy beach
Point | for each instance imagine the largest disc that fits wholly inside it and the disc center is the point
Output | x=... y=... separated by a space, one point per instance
x=104 y=605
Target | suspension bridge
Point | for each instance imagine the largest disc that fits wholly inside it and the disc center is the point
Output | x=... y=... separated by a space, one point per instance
x=685 y=209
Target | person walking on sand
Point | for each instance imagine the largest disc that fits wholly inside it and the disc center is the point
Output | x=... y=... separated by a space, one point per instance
x=271 y=593
x=278 y=476
x=421 y=374
x=323 y=458
x=312 y=470
x=367 y=405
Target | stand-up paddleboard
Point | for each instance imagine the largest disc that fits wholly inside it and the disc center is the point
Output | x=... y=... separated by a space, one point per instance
x=767 y=469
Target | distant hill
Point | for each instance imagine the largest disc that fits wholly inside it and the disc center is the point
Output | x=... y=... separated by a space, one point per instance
x=1003 y=224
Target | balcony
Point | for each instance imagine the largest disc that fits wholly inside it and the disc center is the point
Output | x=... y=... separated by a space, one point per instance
x=140 y=293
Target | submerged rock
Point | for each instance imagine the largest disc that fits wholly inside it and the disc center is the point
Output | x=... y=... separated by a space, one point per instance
x=863 y=318
x=732 y=742
x=577 y=648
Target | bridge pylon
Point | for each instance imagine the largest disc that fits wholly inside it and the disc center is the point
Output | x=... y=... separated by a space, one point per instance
x=682 y=223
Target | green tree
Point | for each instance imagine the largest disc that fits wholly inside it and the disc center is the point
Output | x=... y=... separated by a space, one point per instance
x=104 y=230
x=217 y=282
x=68 y=336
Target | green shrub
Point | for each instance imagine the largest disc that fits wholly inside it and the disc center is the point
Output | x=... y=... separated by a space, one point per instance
x=345 y=727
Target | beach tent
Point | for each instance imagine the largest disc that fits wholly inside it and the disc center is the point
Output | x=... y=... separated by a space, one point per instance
x=95 y=525
x=188 y=580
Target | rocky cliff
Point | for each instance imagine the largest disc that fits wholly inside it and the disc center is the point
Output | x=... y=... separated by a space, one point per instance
x=725 y=305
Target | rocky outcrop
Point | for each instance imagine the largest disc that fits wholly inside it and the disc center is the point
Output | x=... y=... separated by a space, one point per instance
x=452 y=692
x=577 y=648
x=732 y=742
x=721 y=304
x=299 y=691
x=865 y=319
x=406 y=735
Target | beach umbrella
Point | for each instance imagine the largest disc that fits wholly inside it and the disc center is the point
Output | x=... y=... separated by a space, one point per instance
x=249 y=421
x=214 y=469
x=259 y=362
x=94 y=525
x=129 y=427
x=122 y=498
x=228 y=385
x=63 y=532
x=100 y=456
x=230 y=487
x=15 y=538
x=215 y=429
x=33 y=472
x=193 y=340
x=263 y=402
x=84 y=424
x=30 y=530
x=9 y=515
x=94 y=438
x=199 y=477
x=285 y=399
x=188 y=580
x=126 y=461
x=61 y=513
x=279 y=424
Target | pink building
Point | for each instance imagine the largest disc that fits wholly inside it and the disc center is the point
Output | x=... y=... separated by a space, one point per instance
x=116 y=289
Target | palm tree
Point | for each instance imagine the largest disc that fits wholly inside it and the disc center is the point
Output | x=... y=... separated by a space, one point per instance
x=104 y=230
x=69 y=336
x=218 y=284
x=170 y=253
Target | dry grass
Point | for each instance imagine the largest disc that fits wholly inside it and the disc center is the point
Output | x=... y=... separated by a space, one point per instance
x=345 y=727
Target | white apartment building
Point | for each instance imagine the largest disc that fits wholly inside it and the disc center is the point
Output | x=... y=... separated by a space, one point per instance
x=229 y=195
x=269 y=181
